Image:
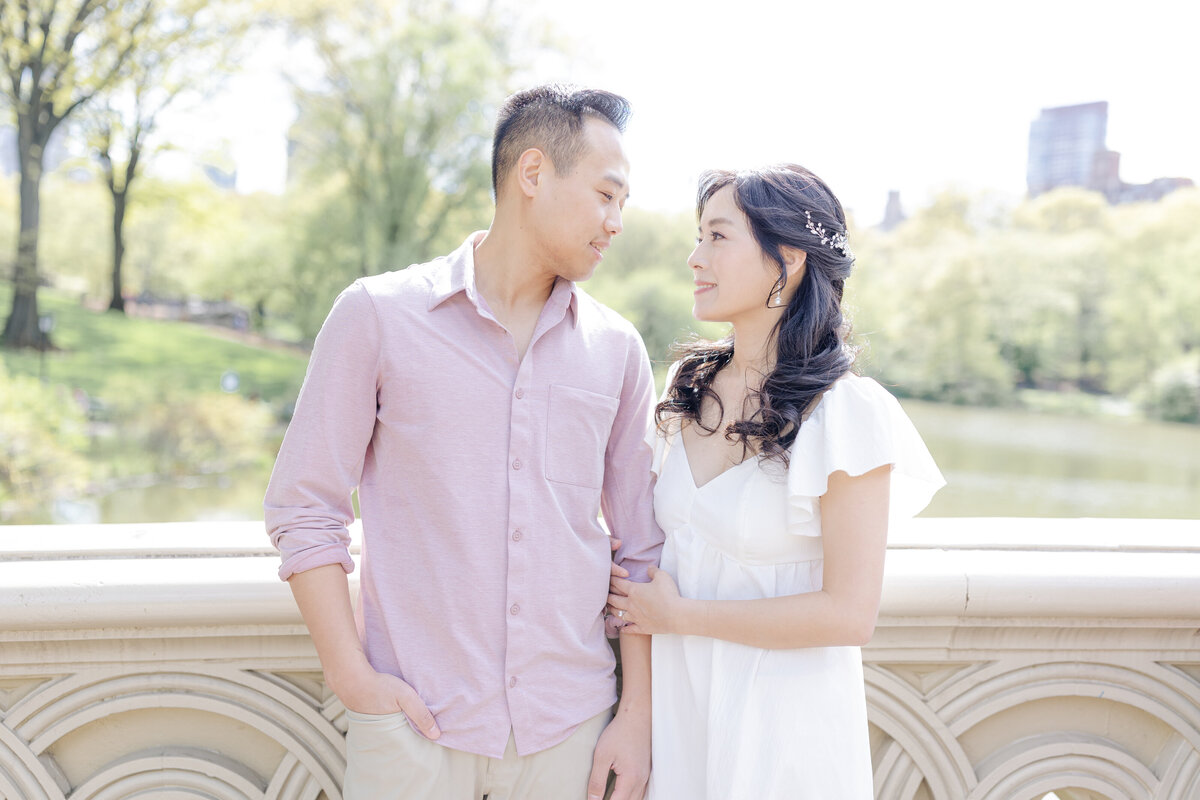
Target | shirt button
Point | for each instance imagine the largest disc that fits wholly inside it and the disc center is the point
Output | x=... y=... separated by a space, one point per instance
x=516 y=463
x=512 y=682
x=515 y=609
x=520 y=393
x=516 y=537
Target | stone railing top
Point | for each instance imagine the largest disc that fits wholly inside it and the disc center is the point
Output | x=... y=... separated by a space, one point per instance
x=1048 y=535
x=145 y=540
x=224 y=573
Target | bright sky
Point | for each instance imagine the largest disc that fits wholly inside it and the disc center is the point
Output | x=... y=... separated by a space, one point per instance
x=914 y=96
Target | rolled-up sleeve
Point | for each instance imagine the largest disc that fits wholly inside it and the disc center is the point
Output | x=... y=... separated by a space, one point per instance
x=308 y=506
x=627 y=501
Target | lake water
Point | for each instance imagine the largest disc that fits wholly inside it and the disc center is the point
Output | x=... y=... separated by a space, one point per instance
x=1003 y=463
x=996 y=462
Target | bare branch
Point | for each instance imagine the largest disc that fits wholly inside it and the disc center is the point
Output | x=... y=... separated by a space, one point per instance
x=47 y=19
x=76 y=27
x=115 y=70
x=24 y=19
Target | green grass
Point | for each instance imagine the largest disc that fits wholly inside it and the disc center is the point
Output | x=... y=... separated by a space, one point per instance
x=103 y=352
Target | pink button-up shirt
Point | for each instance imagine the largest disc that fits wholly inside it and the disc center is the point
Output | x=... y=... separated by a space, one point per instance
x=480 y=478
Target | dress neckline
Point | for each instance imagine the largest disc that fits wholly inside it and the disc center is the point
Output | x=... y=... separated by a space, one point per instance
x=687 y=462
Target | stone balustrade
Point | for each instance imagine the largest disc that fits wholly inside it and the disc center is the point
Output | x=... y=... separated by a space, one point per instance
x=1013 y=657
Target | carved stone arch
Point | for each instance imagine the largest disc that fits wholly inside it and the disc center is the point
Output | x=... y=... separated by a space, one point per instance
x=921 y=742
x=22 y=774
x=334 y=711
x=205 y=774
x=1145 y=692
x=964 y=681
x=292 y=781
x=897 y=776
x=1181 y=778
x=301 y=729
x=1183 y=678
x=1032 y=767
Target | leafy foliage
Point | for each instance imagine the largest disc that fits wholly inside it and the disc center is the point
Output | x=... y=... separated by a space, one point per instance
x=170 y=432
x=1063 y=293
x=42 y=442
x=392 y=143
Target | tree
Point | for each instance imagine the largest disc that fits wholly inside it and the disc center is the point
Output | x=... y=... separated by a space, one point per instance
x=1151 y=310
x=187 y=48
x=394 y=136
x=1048 y=274
x=57 y=56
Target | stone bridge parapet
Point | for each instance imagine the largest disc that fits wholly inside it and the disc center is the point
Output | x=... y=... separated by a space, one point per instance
x=1013 y=657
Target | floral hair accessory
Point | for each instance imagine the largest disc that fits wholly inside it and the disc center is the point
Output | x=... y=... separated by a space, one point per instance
x=834 y=241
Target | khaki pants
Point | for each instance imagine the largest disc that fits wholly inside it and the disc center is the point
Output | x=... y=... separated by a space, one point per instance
x=386 y=759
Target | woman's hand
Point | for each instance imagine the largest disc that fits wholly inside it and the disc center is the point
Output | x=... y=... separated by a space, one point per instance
x=612 y=625
x=653 y=607
x=616 y=570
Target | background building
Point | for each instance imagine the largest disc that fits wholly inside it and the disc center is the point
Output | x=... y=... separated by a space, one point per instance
x=1067 y=148
x=894 y=214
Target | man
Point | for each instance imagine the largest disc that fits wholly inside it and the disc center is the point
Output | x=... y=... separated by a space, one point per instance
x=487 y=410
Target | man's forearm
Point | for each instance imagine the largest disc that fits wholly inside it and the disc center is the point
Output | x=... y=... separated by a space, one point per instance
x=323 y=595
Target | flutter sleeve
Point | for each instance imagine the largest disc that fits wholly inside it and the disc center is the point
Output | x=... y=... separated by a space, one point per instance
x=858 y=426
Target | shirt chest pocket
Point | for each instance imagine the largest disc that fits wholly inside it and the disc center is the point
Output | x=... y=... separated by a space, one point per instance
x=579 y=423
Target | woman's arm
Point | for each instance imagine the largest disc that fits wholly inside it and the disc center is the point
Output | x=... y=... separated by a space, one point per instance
x=854 y=514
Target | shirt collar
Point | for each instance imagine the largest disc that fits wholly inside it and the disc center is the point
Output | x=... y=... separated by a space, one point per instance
x=457 y=274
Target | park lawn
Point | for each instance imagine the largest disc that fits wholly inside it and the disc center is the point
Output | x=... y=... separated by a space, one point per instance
x=101 y=352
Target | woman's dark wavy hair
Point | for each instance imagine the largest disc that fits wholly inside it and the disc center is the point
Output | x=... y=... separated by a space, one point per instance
x=810 y=336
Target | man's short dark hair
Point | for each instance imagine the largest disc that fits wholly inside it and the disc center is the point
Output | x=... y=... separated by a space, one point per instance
x=550 y=118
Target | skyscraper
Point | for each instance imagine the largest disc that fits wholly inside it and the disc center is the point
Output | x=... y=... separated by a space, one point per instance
x=893 y=215
x=1066 y=148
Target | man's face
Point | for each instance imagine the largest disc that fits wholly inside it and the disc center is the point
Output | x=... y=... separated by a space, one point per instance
x=579 y=213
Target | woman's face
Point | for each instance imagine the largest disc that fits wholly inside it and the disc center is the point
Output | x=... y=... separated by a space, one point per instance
x=734 y=279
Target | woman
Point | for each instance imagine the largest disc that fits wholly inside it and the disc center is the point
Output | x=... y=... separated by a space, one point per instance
x=778 y=470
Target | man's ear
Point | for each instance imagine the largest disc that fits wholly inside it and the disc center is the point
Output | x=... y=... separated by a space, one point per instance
x=531 y=168
x=794 y=260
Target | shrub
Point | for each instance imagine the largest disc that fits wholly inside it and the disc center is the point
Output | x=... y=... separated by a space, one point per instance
x=42 y=441
x=173 y=433
x=1173 y=394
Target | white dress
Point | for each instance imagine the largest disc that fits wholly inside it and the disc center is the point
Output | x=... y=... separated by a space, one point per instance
x=734 y=722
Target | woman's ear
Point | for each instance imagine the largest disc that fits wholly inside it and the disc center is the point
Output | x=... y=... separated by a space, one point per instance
x=530 y=166
x=794 y=260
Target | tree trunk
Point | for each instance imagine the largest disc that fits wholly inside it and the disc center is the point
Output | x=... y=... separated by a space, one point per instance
x=1197 y=420
x=118 y=298
x=21 y=329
